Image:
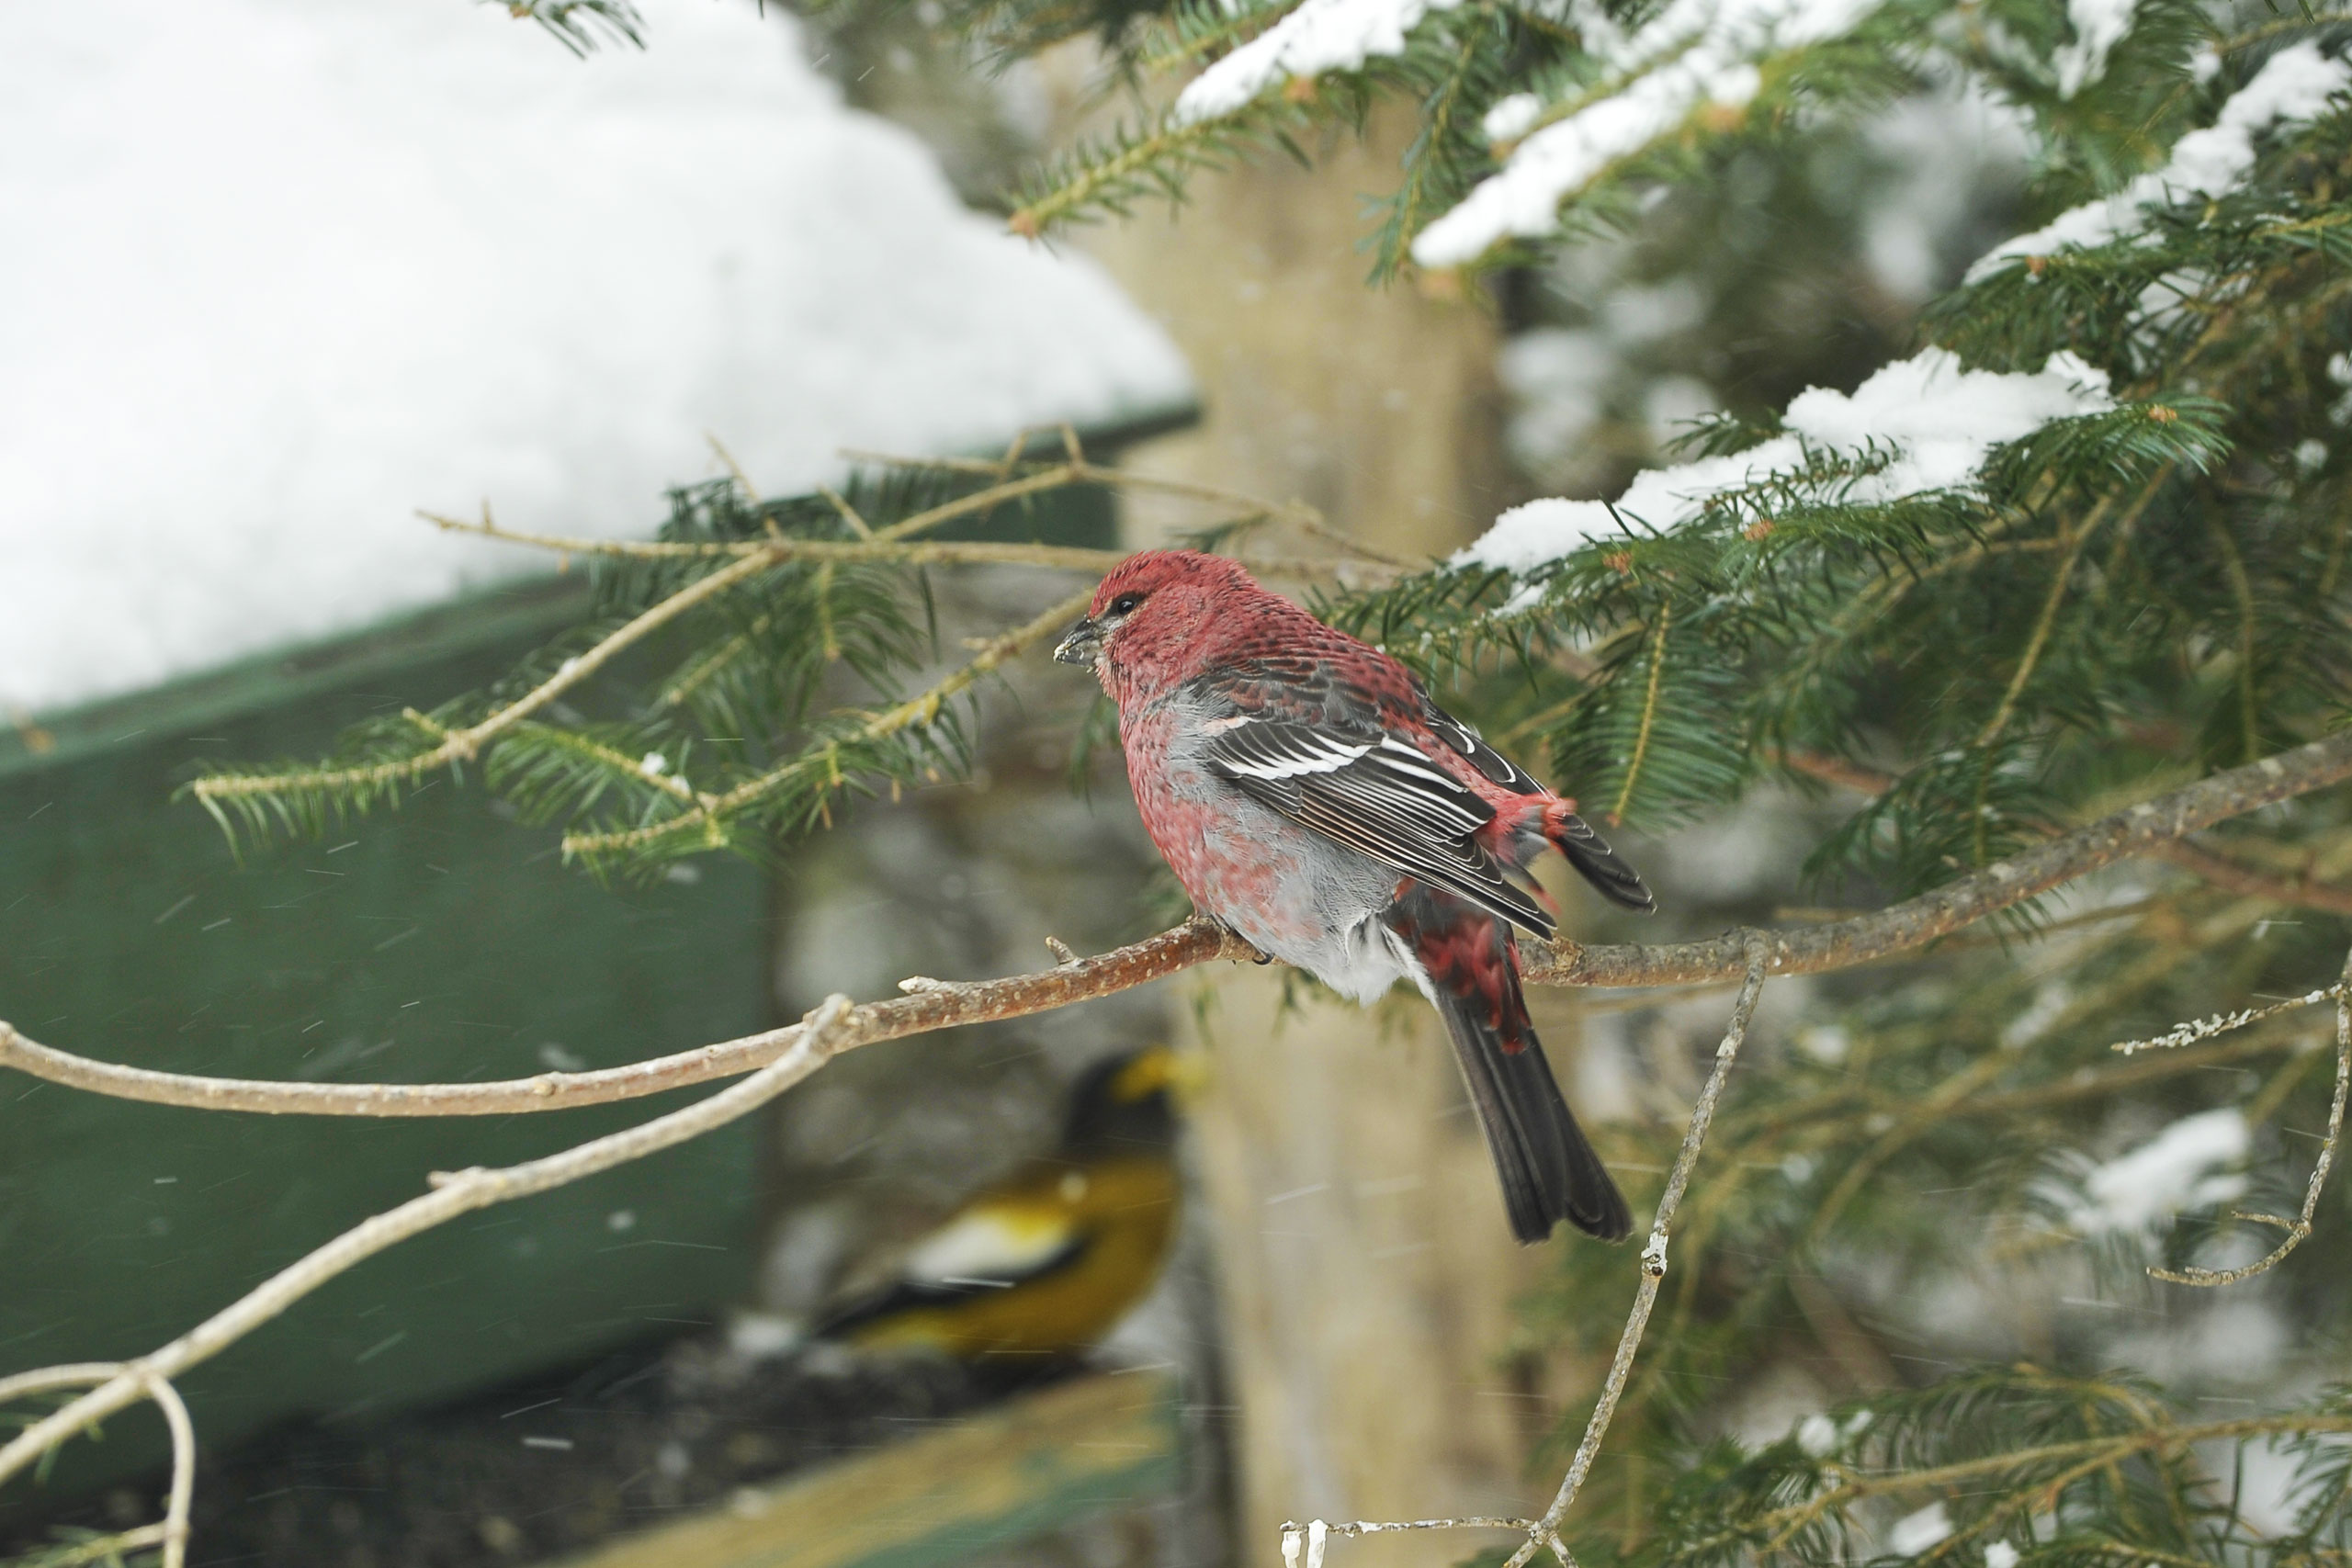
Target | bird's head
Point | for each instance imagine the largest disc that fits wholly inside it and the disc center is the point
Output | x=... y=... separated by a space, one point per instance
x=1127 y=1103
x=1164 y=616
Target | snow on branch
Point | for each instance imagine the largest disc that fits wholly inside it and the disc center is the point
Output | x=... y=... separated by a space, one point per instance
x=1321 y=35
x=1697 y=53
x=1927 y=422
x=2099 y=26
x=2296 y=87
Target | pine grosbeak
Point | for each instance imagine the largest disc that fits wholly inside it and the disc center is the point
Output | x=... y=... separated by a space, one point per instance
x=1309 y=795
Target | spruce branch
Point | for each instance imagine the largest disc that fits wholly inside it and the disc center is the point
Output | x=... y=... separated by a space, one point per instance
x=2080 y=1458
x=1197 y=29
x=2218 y=870
x=581 y=25
x=1108 y=178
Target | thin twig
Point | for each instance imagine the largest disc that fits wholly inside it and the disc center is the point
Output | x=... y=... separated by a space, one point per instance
x=73 y=1374
x=453 y=1193
x=1621 y=1366
x=1083 y=472
x=108 y=1549
x=2301 y=1227
x=1837 y=945
x=1302 y=1544
x=2189 y=1034
x=734 y=470
x=878 y=546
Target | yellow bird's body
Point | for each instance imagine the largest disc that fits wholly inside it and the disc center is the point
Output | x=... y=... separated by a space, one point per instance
x=1046 y=1263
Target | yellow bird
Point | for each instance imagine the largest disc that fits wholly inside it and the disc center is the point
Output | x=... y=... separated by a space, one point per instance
x=1046 y=1262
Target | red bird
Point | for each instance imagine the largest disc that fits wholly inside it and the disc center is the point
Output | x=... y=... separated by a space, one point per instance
x=1309 y=795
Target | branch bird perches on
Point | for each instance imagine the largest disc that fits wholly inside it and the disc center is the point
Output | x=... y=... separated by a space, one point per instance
x=934 y=1005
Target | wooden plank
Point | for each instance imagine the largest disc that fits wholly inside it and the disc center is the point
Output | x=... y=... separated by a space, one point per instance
x=951 y=1494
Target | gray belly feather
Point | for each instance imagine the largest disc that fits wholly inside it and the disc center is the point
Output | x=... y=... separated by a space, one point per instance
x=1323 y=903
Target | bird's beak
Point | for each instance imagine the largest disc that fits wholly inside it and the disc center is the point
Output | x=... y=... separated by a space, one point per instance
x=1082 y=645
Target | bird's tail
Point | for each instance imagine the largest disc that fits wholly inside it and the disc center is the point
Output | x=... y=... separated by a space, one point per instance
x=1549 y=1171
x=1594 y=860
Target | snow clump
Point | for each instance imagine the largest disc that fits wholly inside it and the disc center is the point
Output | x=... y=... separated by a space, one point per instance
x=2177 y=1169
x=1695 y=53
x=2297 y=86
x=1933 y=420
x=282 y=273
x=1914 y=1533
x=1321 y=35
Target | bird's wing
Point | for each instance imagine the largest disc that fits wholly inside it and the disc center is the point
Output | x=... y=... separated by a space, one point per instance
x=1586 y=850
x=995 y=1242
x=999 y=1242
x=1465 y=739
x=1379 y=796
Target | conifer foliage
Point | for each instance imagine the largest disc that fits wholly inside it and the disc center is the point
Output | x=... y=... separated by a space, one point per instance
x=2081 y=540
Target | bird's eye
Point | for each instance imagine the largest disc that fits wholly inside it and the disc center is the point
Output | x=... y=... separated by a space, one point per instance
x=1124 y=603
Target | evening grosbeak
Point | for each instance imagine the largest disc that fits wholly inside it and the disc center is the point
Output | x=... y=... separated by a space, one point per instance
x=1046 y=1262
x=1309 y=795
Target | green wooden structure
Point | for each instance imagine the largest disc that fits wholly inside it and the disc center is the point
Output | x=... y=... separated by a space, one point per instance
x=442 y=942
x=966 y=1490
x=435 y=943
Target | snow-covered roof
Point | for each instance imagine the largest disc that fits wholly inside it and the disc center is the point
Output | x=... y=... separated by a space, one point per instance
x=278 y=273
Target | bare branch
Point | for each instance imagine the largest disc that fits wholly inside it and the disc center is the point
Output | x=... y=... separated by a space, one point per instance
x=453 y=1193
x=172 y=1534
x=2302 y=1226
x=1678 y=1181
x=1079 y=470
x=1302 y=1544
x=2198 y=1029
x=183 y=1493
x=1541 y=1533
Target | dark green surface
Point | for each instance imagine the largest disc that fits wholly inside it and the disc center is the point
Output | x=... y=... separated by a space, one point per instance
x=436 y=943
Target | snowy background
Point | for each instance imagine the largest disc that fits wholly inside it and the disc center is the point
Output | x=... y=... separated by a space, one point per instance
x=281 y=274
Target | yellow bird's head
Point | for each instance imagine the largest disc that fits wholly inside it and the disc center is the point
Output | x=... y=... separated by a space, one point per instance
x=1128 y=1101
